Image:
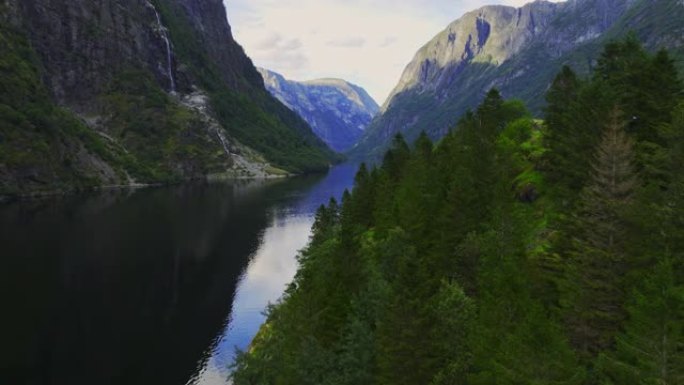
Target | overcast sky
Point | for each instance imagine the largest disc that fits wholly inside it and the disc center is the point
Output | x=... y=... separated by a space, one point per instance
x=367 y=42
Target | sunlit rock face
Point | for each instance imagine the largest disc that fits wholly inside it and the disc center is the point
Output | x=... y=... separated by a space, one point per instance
x=337 y=111
x=489 y=35
x=518 y=51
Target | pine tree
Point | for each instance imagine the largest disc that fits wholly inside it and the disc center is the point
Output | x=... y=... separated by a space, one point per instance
x=593 y=291
x=516 y=341
x=671 y=236
x=362 y=202
x=429 y=272
x=327 y=217
x=572 y=132
x=396 y=157
x=647 y=86
x=454 y=314
x=388 y=177
x=417 y=199
x=561 y=133
x=663 y=90
x=651 y=350
x=402 y=349
x=619 y=60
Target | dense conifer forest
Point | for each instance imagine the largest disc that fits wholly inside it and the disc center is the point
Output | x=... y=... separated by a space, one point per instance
x=513 y=251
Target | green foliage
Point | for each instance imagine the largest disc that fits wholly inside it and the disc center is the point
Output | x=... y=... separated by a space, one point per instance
x=149 y=137
x=609 y=139
x=164 y=141
x=650 y=351
x=498 y=255
x=647 y=86
x=382 y=294
x=36 y=137
x=597 y=257
x=248 y=112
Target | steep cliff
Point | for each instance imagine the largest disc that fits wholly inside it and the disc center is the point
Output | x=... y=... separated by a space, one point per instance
x=126 y=91
x=337 y=110
x=517 y=50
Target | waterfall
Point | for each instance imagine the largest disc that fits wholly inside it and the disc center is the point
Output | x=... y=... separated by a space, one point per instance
x=165 y=36
x=223 y=141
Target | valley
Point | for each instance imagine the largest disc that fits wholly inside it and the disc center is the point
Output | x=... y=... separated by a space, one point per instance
x=176 y=208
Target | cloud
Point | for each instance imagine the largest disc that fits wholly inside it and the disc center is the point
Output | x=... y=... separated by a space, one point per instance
x=275 y=51
x=286 y=62
x=388 y=41
x=347 y=42
x=269 y=43
x=293 y=44
x=368 y=42
x=276 y=42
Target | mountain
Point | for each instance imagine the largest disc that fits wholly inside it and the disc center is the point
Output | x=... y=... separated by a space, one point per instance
x=518 y=51
x=118 y=92
x=337 y=110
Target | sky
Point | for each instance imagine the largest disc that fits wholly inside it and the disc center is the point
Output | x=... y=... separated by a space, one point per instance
x=366 y=42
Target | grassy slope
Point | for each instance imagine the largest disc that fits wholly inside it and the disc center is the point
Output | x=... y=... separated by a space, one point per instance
x=164 y=141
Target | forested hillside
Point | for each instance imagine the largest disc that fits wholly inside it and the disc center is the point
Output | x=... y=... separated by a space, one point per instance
x=514 y=251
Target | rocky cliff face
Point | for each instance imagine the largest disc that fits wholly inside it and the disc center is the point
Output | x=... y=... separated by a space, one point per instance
x=84 y=44
x=103 y=86
x=338 y=111
x=489 y=35
x=519 y=51
x=208 y=18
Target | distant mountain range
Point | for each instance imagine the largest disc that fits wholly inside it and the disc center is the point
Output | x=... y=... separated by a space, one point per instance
x=518 y=51
x=337 y=110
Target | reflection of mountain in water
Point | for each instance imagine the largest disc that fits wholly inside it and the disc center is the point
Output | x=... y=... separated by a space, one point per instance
x=131 y=287
x=333 y=185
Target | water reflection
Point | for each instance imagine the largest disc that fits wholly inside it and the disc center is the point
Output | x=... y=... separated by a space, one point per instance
x=272 y=267
x=132 y=286
x=264 y=280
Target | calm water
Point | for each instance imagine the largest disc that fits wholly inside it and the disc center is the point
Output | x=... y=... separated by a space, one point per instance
x=153 y=286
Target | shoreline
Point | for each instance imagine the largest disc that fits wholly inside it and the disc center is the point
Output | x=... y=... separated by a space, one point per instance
x=37 y=195
x=209 y=178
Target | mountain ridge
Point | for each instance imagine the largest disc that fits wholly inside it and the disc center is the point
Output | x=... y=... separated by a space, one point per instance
x=337 y=110
x=452 y=71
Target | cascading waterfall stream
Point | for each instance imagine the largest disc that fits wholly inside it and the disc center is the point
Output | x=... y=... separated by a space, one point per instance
x=164 y=35
x=223 y=141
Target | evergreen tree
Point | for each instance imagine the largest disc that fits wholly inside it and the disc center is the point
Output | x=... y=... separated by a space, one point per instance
x=327 y=217
x=671 y=220
x=362 y=202
x=403 y=352
x=648 y=87
x=593 y=290
x=396 y=157
x=651 y=350
x=526 y=346
x=486 y=257
x=417 y=198
x=562 y=99
x=454 y=314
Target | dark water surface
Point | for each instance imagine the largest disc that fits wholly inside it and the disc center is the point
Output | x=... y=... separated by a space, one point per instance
x=153 y=286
